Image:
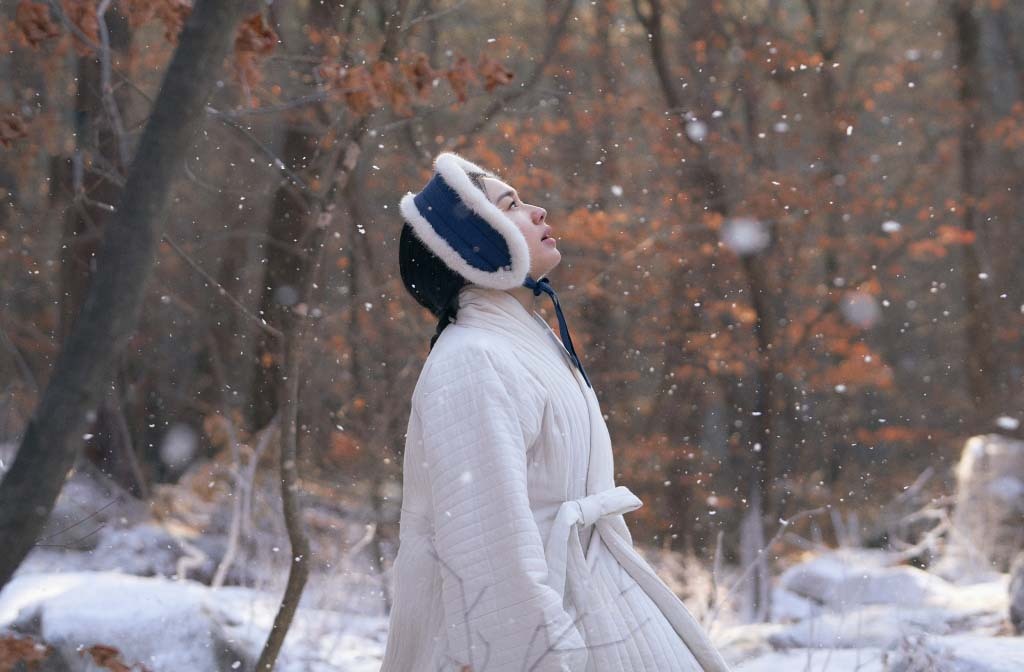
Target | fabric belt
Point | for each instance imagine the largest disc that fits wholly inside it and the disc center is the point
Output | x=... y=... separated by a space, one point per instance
x=583 y=511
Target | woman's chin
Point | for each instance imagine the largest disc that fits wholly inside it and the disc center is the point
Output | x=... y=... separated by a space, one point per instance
x=550 y=266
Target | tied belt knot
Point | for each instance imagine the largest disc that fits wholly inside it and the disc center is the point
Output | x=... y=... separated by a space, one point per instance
x=583 y=511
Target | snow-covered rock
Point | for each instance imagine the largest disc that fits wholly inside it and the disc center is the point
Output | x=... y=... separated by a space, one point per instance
x=146 y=549
x=89 y=501
x=851 y=578
x=787 y=606
x=161 y=624
x=743 y=642
x=874 y=626
x=814 y=660
x=180 y=625
x=958 y=653
x=988 y=520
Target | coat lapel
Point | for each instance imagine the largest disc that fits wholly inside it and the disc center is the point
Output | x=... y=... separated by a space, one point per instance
x=497 y=310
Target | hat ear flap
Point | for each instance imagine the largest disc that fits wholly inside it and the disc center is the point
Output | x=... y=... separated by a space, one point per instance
x=459 y=224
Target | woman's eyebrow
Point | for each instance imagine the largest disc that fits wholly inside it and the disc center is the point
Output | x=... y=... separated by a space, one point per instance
x=510 y=192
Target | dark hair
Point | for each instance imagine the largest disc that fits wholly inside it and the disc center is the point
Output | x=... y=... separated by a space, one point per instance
x=429 y=280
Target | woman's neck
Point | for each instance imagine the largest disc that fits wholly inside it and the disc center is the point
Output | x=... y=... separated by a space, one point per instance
x=526 y=297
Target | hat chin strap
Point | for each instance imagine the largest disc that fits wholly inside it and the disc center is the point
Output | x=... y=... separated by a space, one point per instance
x=543 y=285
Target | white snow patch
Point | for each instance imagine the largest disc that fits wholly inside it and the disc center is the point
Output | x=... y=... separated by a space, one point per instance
x=812 y=660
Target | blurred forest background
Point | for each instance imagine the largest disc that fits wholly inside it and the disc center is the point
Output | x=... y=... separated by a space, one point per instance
x=790 y=234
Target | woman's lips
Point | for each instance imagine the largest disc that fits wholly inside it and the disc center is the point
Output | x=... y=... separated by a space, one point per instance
x=549 y=240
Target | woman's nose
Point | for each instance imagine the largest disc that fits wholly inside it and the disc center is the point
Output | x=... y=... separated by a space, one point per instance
x=539 y=214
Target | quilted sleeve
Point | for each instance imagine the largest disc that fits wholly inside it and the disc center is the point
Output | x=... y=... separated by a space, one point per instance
x=499 y=613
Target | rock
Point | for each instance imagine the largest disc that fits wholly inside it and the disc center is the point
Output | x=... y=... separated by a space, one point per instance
x=183 y=625
x=1016 y=594
x=852 y=578
x=988 y=519
x=958 y=653
x=742 y=642
x=875 y=626
x=788 y=607
x=143 y=550
x=161 y=624
x=811 y=660
x=88 y=502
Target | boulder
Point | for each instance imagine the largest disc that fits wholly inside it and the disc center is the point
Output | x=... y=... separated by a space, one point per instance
x=987 y=528
x=849 y=578
x=958 y=653
x=1016 y=595
x=812 y=660
x=875 y=626
x=164 y=625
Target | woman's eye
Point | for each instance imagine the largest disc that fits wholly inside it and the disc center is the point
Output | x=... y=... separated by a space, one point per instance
x=511 y=204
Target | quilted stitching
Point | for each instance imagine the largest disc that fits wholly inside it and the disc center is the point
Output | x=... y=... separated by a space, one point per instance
x=499 y=437
x=485 y=535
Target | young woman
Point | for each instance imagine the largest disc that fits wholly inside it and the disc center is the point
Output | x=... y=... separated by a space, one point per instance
x=514 y=554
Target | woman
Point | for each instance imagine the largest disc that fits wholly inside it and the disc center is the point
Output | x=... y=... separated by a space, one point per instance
x=513 y=553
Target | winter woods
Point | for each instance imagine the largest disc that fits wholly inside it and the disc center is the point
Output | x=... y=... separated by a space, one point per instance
x=791 y=259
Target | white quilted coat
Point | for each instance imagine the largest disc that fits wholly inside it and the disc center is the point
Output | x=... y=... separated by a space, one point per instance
x=513 y=553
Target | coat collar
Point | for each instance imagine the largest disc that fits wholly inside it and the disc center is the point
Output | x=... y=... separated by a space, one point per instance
x=497 y=310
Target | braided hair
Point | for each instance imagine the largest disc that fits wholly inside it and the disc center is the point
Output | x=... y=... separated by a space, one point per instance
x=429 y=280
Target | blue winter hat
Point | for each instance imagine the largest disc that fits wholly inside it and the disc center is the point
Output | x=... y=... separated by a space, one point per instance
x=473 y=237
x=459 y=224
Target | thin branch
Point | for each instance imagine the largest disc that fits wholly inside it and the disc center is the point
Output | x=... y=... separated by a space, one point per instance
x=229 y=120
x=551 y=43
x=785 y=523
x=19 y=360
x=261 y=323
x=433 y=16
x=106 y=90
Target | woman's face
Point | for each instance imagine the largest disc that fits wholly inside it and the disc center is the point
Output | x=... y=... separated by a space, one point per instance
x=540 y=239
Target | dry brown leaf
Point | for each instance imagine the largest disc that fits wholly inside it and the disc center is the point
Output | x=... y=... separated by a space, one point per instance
x=12 y=127
x=460 y=76
x=420 y=74
x=495 y=74
x=25 y=650
x=33 y=22
x=357 y=86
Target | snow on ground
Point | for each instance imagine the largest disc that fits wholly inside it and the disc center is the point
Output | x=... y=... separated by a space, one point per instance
x=840 y=611
x=181 y=625
x=856 y=609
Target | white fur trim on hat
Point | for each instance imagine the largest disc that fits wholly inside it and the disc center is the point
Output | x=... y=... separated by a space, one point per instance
x=454 y=169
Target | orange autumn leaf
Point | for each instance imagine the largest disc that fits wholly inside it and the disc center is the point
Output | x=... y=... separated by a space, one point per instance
x=253 y=40
x=343 y=447
x=172 y=13
x=419 y=73
x=460 y=76
x=924 y=249
x=387 y=86
x=357 y=85
x=495 y=74
x=255 y=37
x=110 y=658
x=955 y=235
x=32 y=19
x=82 y=15
x=12 y=127
x=15 y=650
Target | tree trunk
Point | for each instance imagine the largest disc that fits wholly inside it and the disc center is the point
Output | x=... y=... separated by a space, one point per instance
x=981 y=368
x=111 y=309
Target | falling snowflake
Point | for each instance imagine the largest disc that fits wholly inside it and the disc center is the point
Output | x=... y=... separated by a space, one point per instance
x=745 y=235
x=861 y=309
x=696 y=130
